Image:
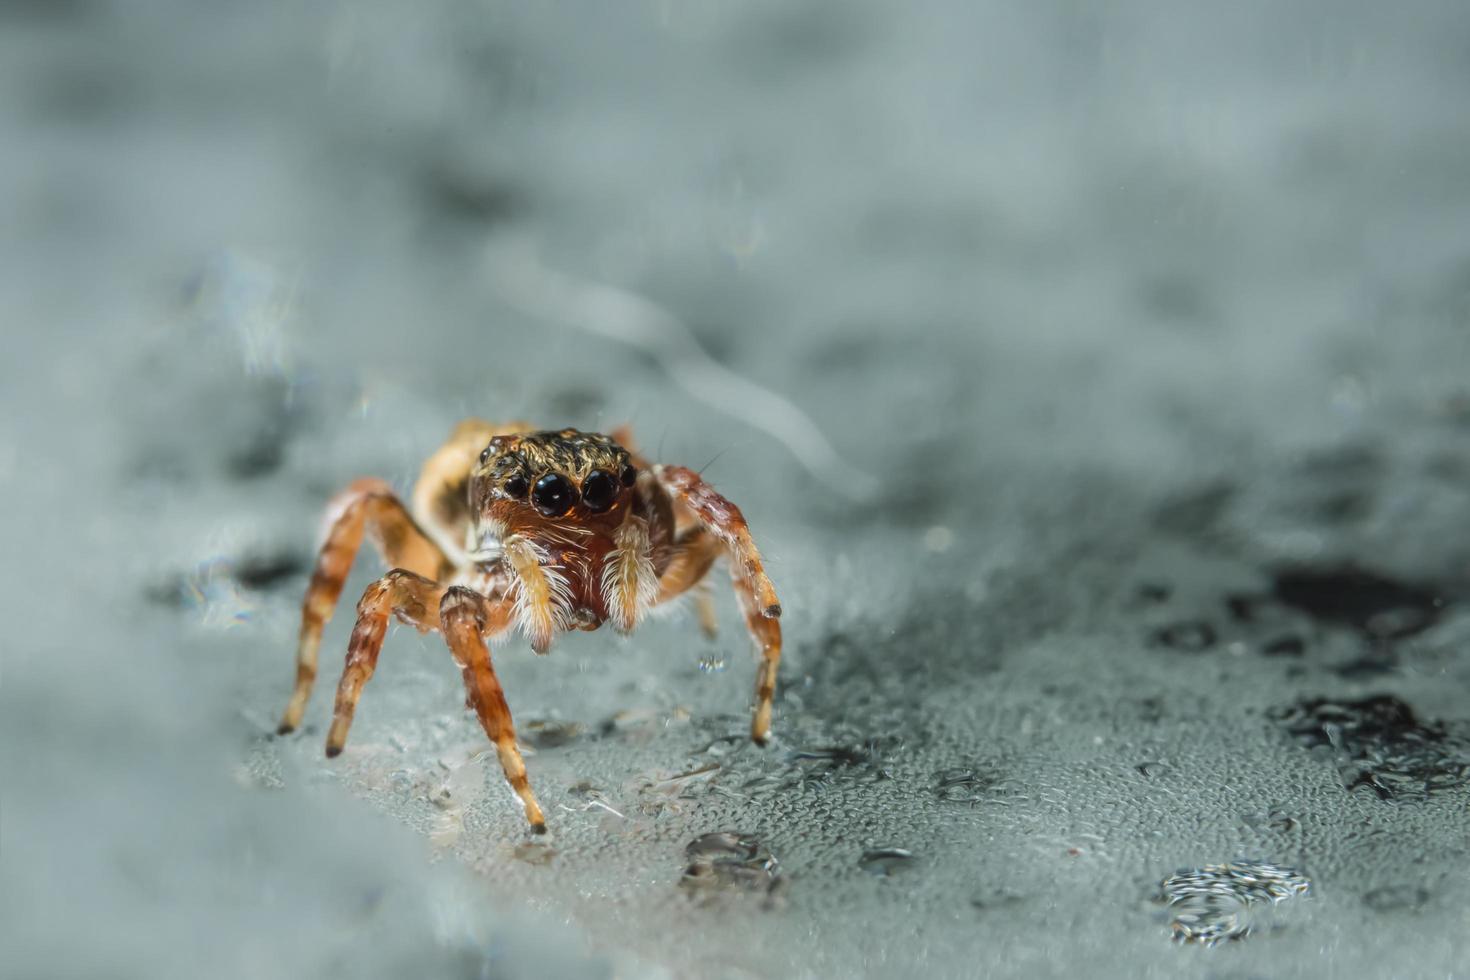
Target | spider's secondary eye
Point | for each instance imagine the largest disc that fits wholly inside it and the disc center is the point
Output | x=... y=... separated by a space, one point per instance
x=630 y=475
x=599 y=491
x=485 y=456
x=554 y=495
x=516 y=487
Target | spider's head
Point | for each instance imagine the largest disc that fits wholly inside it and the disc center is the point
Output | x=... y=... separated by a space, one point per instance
x=565 y=477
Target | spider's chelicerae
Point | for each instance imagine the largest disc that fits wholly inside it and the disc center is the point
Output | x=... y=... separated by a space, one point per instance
x=556 y=531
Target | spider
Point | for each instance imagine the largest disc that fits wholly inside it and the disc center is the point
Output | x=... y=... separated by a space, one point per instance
x=561 y=530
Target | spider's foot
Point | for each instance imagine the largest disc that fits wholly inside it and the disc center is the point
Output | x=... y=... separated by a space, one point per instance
x=538 y=828
x=285 y=728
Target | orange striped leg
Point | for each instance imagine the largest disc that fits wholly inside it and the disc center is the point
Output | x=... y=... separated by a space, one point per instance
x=766 y=631
x=365 y=503
x=411 y=598
x=467 y=618
x=757 y=596
x=725 y=522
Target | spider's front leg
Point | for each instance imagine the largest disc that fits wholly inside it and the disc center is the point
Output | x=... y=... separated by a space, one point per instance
x=467 y=618
x=366 y=505
x=722 y=525
x=400 y=593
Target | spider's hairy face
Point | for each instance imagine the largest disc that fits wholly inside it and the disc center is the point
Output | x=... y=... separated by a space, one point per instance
x=562 y=478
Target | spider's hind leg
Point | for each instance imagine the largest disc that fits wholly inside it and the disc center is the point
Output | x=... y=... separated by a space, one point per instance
x=366 y=505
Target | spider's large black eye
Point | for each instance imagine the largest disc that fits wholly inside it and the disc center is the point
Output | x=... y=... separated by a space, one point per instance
x=630 y=475
x=516 y=487
x=554 y=495
x=599 y=491
x=485 y=456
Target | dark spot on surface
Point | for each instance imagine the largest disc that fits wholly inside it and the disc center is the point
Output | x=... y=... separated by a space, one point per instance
x=1177 y=298
x=1151 y=770
x=1380 y=743
x=168 y=592
x=995 y=899
x=262 y=572
x=1243 y=608
x=254 y=443
x=1379 y=607
x=1153 y=592
x=1284 y=646
x=1190 y=636
x=1376 y=663
x=259 y=573
x=1396 y=898
x=259 y=457
x=455 y=194
x=1349 y=462
x=1342 y=507
x=1195 y=512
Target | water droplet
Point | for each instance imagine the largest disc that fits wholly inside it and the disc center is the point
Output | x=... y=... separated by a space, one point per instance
x=1285 y=646
x=728 y=860
x=1273 y=820
x=1191 y=636
x=883 y=862
x=1378 y=742
x=548 y=734
x=1225 y=902
x=970 y=785
x=1396 y=898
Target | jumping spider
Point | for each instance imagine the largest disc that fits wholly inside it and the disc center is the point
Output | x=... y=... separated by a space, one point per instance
x=561 y=530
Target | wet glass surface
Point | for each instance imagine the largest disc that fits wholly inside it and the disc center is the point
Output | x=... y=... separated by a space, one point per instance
x=1093 y=379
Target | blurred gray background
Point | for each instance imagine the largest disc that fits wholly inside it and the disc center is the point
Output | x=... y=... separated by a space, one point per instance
x=1093 y=377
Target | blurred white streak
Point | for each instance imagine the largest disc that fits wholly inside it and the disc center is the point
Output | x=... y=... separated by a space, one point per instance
x=608 y=311
x=243 y=297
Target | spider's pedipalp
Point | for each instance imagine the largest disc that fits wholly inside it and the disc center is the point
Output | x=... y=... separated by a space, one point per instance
x=540 y=591
x=629 y=583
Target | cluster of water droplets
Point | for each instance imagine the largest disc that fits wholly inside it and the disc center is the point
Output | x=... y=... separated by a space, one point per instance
x=1225 y=902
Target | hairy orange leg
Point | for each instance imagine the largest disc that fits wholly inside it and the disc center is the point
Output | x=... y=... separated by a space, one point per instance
x=399 y=593
x=723 y=521
x=467 y=618
x=366 y=505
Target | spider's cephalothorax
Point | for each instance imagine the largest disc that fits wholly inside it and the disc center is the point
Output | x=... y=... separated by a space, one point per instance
x=562 y=530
